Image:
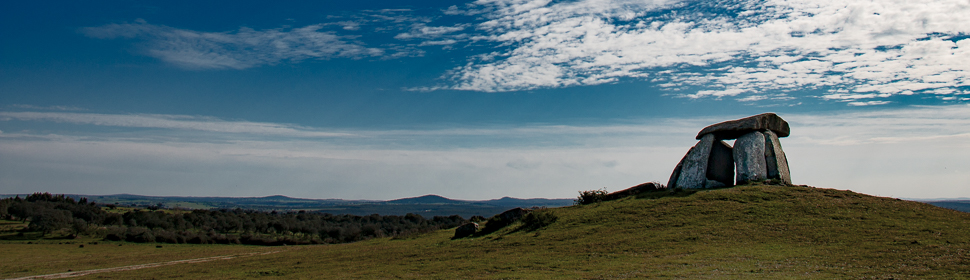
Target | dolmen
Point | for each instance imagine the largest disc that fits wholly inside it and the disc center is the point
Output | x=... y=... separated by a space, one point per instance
x=756 y=155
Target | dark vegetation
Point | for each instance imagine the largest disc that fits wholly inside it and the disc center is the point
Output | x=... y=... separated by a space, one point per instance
x=428 y=205
x=47 y=214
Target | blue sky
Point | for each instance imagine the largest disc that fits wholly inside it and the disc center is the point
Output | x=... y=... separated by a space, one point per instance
x=472 y=100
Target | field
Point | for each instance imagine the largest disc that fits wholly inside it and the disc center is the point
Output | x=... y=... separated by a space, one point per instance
x=47 y=257
x=743 y=232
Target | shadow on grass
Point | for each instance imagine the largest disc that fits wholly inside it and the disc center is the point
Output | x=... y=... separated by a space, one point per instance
x=676 y=192
x=536 y=220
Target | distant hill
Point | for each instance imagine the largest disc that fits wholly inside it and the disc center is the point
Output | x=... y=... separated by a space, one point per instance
x=755 y=231
x=959 y=205
x=427 y=199
x=427 y=205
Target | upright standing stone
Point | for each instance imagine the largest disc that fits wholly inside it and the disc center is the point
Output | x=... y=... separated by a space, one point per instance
x=693 y=173
x=749 y=157
x=775 y=158
x=720 y=166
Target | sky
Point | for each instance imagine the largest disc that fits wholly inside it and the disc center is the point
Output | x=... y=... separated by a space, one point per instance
x=473 y=99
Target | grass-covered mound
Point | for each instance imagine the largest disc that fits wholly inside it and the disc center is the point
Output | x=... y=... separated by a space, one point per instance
x=742 y=232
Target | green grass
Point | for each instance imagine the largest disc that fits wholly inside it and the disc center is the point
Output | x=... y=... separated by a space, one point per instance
x=20 y=259
x=743 y=232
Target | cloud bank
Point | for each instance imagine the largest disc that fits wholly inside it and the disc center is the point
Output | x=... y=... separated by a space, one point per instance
x=715 y=49
x=859 y=52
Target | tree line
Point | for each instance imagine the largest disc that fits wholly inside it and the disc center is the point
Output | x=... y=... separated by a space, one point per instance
x=47 y=213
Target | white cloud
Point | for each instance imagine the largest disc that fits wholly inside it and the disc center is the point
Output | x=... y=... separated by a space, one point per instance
x=883 y=47
x=868 y=103
x=240 y=49
x=422 y=31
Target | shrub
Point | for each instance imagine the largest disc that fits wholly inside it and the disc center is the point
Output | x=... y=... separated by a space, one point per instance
x=115 y=234
x=591 y=196
x=141 y=235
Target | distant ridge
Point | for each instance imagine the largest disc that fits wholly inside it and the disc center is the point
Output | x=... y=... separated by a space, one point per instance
x=426 y=205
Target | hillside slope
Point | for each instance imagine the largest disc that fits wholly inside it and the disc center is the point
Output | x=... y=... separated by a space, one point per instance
x=743 y=232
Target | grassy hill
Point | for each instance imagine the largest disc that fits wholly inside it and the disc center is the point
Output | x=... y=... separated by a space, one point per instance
x=754 y=231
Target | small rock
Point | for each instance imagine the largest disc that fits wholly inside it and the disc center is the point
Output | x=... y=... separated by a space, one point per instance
x=466 y=230
x=504 y=219
x=514 y=214
x=634 y=190
x=712 y=184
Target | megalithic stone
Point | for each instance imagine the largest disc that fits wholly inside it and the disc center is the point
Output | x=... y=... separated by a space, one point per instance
x=718 y=173
x=720 y=165
x=749 y=158
x=775 y=158
x=756 y=156
x=693 y=168
x=737 y=128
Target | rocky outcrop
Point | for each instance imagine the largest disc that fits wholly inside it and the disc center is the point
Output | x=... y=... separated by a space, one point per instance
x=634 y=190
x=504 y=219
x=466 y=230
x=756 y=156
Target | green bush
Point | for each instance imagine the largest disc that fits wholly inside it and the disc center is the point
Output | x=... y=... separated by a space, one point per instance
x=591 y=196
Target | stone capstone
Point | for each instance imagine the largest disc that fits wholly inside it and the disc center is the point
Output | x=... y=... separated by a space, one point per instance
x=466 y=230
x=737 y=128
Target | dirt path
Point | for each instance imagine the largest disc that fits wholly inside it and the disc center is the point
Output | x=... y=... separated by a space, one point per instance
x=139 y=266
